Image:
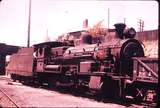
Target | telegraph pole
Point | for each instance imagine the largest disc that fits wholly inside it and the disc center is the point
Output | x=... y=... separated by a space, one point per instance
x=141 y=25
x=29 y=24
x=108 y=17
x=124 y=20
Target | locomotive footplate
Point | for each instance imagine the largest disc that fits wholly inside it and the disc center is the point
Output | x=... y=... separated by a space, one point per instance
x=117 y=77
x=93 y=74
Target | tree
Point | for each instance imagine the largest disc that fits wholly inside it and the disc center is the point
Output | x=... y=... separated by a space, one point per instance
x=98 y=30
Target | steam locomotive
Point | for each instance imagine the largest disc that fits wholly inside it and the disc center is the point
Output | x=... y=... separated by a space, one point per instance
x=110 y=68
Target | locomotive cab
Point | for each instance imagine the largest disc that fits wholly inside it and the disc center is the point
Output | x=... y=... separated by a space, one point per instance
x=47 y=54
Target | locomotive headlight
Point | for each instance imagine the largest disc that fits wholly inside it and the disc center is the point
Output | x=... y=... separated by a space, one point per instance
x=130 y=33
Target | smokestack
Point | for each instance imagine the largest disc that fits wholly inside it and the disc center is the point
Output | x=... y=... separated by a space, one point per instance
x=120 y=29
x=85 y=23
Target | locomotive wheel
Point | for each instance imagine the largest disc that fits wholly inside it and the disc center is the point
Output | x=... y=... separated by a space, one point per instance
x=110 y=89
x=144 y=95
x=13 y=77
x=139 y=94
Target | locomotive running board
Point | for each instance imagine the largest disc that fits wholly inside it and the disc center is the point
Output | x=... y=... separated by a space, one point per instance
x=64 y=84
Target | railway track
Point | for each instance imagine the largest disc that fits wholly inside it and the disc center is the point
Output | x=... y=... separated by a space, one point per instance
x=149 y=105
x=5 y=99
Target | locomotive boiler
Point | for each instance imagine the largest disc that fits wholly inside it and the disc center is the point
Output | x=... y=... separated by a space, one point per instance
x=101 y=67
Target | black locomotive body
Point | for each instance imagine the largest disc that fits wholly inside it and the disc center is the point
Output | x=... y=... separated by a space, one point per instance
x=107 y=68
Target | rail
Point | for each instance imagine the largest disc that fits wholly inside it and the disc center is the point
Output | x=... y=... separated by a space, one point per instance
x=10 y=99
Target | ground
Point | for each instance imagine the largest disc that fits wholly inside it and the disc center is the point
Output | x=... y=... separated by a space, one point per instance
x=26 y=96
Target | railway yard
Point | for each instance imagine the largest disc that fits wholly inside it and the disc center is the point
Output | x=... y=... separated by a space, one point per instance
x=14 y=94
x=59 y=74
x=99 y=65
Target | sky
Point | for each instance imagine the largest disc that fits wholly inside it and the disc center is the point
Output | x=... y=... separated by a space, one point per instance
x=51 y=18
